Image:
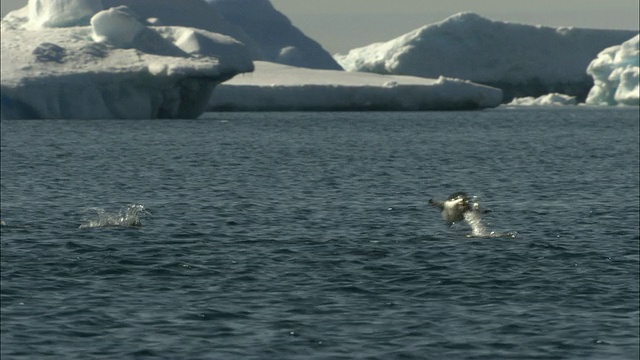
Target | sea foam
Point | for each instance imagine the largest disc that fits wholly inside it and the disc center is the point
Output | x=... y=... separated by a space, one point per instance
x=126 y=217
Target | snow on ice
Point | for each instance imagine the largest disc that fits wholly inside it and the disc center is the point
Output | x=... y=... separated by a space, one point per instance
x=553 y=99
x=163 y=58
x=616 y=74
x=279 y=87
x=278 y=40
x=115 y=67
x=43 y=13
x=523 y=60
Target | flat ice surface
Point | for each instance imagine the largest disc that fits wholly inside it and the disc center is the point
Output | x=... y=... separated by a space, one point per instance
x=280 y=87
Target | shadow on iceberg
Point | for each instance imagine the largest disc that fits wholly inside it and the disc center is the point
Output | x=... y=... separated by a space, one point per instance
x=119 y=67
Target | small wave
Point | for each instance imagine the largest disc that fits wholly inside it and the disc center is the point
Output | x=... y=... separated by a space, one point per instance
x=126 y=217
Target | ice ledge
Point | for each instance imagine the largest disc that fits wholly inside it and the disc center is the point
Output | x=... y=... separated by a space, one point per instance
x=156 y=72
x=276 y=87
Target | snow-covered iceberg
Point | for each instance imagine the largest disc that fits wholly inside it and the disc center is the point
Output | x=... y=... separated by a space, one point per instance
x=268 y=34
x=278 y=40
x=616 y=73
x=523 y=60
x=276 y=87
x=115 y=67
x=553 y=99
x=187 y=13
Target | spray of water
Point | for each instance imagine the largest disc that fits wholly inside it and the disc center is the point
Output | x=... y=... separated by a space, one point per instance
x=125 y=217
x=478 y=229
x=474 y=219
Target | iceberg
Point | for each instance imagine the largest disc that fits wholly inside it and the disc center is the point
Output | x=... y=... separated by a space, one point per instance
x=522 y=60
x=277 y=87
x=110 y=65
x=267 y=33
x=43 y=13
x=553 y=99
x=616 y=74
x=187 y=13
x=278 y=40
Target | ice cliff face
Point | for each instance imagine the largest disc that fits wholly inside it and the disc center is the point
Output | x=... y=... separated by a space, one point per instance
x=616 y=73
x=522 y=60
x=109 y=65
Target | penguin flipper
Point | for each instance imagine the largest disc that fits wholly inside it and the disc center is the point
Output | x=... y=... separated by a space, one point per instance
x=438 y=204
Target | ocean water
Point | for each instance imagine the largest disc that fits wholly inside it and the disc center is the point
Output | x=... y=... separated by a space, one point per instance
x=309 y=236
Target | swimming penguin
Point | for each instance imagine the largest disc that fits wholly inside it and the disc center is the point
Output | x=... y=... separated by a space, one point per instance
x=456 y=205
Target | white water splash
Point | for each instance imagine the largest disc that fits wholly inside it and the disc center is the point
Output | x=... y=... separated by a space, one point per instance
x=474 y=219
x=125 y=217
x=478 y=229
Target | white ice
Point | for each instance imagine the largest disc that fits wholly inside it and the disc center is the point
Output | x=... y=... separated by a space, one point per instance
x=187 y=13
x=279 y=87
x=553 y=99
x=117 y=27
x=162 y=58
x=267 y=33
x=276 y=37
x=615 y=75
x=523 y=60
x=61 y=13
x=118 y=67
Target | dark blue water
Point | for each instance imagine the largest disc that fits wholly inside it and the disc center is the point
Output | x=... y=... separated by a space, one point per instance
x=308 y=236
